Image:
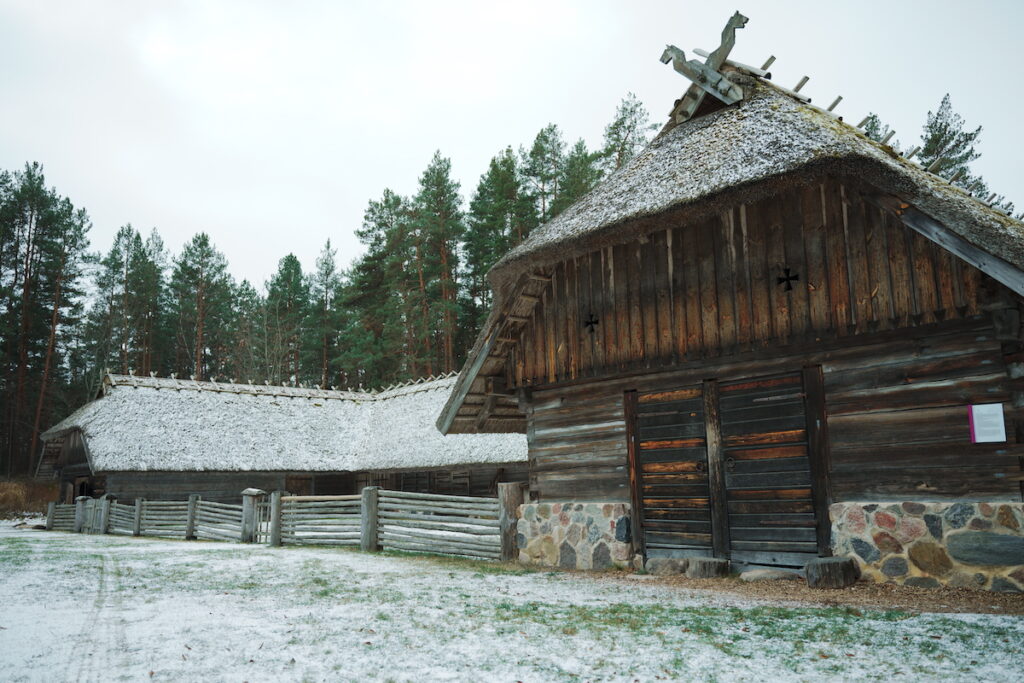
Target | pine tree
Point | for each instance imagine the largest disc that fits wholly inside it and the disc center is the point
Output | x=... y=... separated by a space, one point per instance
x=439 y=227
x=321 y=324
x=627 y=134
x=501 y=214
x=878 y=131
x=201 y=308
x=579 y=176
x=542 y=168
x=287 y=304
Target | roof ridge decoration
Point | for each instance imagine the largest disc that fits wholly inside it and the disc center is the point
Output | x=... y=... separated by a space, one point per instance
x=706 y=76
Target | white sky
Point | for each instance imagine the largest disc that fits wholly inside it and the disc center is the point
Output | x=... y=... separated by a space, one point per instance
x=270 y=125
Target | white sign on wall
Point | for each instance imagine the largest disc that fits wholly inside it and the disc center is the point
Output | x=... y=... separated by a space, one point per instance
x=987 y=423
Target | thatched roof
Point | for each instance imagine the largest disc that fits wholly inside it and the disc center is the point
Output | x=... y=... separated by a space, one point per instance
x=158 y=424
x=768 y=141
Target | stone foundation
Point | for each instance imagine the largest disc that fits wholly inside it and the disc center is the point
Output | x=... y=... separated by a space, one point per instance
x=970 y=545
x=575 y=535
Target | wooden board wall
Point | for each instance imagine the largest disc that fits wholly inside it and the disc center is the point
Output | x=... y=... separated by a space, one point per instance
x=896 y=418
x=718 y=288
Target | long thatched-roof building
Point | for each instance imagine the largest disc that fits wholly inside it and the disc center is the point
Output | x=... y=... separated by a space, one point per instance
x=167 y=438
x=767 y=338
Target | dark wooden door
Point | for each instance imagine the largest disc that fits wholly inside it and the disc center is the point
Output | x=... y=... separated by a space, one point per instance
x=671 y=470
x=725 y=468
x=767 y=471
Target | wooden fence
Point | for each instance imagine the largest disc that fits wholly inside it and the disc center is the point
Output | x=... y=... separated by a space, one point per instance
x=120 y=519
x=450 y=525
x=373 y=520
x=330 y=520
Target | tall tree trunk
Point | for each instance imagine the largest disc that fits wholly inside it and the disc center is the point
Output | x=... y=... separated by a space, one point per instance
x=54 y=321
x=200 y=320
x=15 y=459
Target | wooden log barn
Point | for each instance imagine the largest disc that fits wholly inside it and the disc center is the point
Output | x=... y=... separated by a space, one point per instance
x=165 y=438
x=767 y=338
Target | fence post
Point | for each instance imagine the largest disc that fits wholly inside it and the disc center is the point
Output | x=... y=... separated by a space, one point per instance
x=190 y=519
x=137 y=522
x=249 y=497
x=510 y=497
x=80 y=513
x=275 y=519
x=50 y=509
x=368 y=539
x=104 y=514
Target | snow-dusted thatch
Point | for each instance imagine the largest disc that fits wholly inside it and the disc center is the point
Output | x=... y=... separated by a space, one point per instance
x=151 y=424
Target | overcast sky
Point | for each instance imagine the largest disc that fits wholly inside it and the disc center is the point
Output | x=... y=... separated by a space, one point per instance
x=270 y=125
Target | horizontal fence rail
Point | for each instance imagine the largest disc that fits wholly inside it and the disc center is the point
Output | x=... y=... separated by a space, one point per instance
x=467 y=526
x=61 y=517
x=218 y=521
x=332 y=520
x=166 y=518
x=121 y=519
x=448 y=525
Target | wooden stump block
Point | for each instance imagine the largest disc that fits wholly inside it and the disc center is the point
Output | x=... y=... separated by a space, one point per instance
x=707 y=567
x=831 y=572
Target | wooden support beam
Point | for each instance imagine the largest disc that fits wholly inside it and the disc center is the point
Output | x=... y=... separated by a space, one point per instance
x=368 y=530
x=508 y=340
x=496 y=386
x=485 y=411
x=540 y=277
x=529 y=297
x=521 y=319
x=510 y=497
x=997 y=268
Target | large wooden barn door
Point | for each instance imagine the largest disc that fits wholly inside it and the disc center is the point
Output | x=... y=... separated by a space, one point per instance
x=726 y=468
x=670 y=471
x=768 y=481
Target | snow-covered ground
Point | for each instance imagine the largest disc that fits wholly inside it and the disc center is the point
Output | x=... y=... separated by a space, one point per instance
x=100 y=607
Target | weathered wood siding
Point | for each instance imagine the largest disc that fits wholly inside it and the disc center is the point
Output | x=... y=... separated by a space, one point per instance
x=896 y=417
x=718 y=287
x=222 y=487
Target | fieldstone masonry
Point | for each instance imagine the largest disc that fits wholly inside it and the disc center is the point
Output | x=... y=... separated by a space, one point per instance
x=971 y=545
x=575 y=535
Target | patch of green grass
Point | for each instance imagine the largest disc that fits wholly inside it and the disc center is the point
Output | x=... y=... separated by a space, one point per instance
x=15 y=552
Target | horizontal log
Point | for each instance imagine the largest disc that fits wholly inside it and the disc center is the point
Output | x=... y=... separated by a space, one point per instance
x=476 y=530
x=397 y=517
x=314 y=505
x=227 y=507
x=436 y=496
x=292 y=499
x=436 y=549
x=439 y=511
x=493 y=540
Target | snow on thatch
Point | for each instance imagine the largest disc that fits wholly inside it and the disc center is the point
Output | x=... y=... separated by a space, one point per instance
x=162 y=424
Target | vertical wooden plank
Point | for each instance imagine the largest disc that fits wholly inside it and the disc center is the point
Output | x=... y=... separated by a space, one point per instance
x=635 y=299
x=796 y=261
x=838 y=270
x=877 y=246
x=691 y=291
x=970 y=282
x=584 y=307
x=190 y=519
x=611 y=324
x=559 y=299
x=924 y=278
x=741 y=247
x=816 y=249
x=856 y=249
x=137 y=521
x=549 y=322
x=632 y=453
x=679 y=295
x=779 y=297
x=944 y=280
x=724 y=253
x=716 y=471
x=275 y=518
x=510 y=497
x=899 y=267
x=818 y=455
x=368 y=527
x=759 y=287
x=572 y=332
x=648 y=297
x=622 y=337
x=51 y=508
x=663 y=293
x=598 y=307
x=708 y=289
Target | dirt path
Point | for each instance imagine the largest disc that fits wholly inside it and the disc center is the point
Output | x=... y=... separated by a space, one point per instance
x=861 y=595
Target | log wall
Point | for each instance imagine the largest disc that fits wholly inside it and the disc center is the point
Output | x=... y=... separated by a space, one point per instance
x=896 y=418
x=818 y=262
